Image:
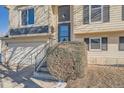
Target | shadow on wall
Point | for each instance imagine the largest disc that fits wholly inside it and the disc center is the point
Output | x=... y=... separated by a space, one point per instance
x=22 y=55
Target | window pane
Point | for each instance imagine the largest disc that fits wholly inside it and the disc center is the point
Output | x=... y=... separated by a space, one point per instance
x=24 y=17
x=106 y=13
x=95 y=43
x=122 y=40
x=64 y=13
x=86 y=14
x=95 y=6
x=86 y=40
x=121 y=43
x=104 y=43
x=122 y=12
x=95 y=15
x=31 y=16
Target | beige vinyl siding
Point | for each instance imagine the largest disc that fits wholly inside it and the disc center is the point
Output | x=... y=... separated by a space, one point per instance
x=14 y=18
x=23 y=53
x=22 y=49
x=112 y=55
x=115 y=24
x=41 y=15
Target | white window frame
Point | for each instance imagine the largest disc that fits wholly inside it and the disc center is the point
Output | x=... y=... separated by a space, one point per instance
x=28 y=25
x=90 y=21
x=100 y=44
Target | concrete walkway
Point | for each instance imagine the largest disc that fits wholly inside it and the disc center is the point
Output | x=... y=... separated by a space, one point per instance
x=24 y=79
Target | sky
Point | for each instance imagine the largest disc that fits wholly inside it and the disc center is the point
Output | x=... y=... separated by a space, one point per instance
x=3 y=20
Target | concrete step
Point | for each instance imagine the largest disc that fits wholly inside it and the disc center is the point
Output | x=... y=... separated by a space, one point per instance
x=49 y=84
x=43 y=69
x=44 y=76
x=44 y=64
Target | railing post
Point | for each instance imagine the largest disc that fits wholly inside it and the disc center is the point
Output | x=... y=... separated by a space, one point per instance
x=35 y=63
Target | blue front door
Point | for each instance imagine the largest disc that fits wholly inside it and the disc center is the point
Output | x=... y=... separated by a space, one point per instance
x=64 y=32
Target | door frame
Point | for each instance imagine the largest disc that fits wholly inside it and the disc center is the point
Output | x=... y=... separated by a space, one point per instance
x=64 y=22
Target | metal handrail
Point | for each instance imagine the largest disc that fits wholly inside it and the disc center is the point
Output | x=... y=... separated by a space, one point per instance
x=44 y=48
x=39 y=54
x=46 y=55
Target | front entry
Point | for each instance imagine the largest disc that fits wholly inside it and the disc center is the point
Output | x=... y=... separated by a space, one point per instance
x=64 y=23
x=64 y=32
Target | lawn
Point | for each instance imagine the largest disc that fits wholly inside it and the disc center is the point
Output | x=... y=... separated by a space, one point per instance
x=99 y=76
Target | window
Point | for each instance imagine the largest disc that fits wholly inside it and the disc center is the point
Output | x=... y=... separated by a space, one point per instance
x=27 y=16
x=121 y=43
x=95 y=13
x=24 y=17
x=86 y=40
x=104 y=43
x=97 y=43
x=122 y=12
x=30 y=16
x=64 y=13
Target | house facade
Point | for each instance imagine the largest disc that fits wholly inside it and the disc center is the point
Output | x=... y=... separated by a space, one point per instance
x=100 y=26
x=29 y=31
x=102 y=32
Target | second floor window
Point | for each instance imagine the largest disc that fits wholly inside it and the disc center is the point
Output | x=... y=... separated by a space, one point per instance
x=95 y=13
x=27 y=17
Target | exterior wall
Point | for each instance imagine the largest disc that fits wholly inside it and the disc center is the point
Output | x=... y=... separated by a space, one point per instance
x=45 y=15
x=112 y=55
x=22 y=52
x=14 y=14
x=112 y=30
x=115 y=24
x=41 y=16
x=23 y=49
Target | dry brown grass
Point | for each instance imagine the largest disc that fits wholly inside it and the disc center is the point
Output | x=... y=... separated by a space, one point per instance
x=99 y=76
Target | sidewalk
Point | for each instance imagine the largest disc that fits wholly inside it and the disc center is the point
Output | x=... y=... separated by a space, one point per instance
x=20 y=79
x=24 y=79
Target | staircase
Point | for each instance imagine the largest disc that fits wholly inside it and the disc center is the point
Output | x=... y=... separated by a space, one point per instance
x=44 y=74
x=41 y=74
